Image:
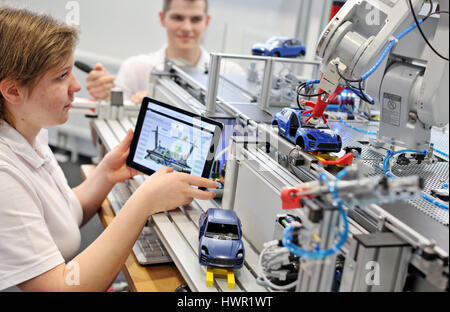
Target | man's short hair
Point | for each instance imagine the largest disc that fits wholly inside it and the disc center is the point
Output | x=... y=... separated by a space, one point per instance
x=167 y=3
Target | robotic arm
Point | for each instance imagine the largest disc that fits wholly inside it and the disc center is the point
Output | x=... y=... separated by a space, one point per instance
x=376 y=43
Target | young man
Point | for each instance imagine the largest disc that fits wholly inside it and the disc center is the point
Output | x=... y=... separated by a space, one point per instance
x=186 y=22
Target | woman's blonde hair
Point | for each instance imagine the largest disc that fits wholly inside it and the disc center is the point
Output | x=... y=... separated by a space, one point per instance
x=30 y=45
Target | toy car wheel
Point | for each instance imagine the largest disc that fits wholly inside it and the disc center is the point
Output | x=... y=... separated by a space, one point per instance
x=301 y=142
x=301 y=54
x=277 y=54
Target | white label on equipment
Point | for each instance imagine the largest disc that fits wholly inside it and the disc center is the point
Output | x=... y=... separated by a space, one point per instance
x=391 y=109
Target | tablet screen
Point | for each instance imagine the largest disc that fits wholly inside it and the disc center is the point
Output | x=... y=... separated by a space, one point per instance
x=166 y=136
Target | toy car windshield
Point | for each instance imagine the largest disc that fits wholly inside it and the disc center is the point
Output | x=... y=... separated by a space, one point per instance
x=275 y=42
x=222 y=231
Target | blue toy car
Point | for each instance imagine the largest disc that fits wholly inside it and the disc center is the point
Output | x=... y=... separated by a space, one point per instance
x=220 y=243
x=291 y=125
x=280 y=47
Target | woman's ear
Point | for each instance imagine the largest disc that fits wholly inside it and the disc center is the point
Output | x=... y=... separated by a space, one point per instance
x=11 y=91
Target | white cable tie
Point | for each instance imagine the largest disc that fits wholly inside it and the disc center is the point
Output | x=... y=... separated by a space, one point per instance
x=392 y=38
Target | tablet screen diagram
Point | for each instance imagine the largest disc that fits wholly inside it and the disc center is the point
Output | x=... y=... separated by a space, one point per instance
x=174 y=140
x=171 y=149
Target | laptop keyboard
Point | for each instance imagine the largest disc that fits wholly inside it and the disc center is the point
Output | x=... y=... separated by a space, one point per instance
x=148 y=248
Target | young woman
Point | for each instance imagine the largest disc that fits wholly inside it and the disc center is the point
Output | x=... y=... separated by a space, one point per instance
x=39 y=214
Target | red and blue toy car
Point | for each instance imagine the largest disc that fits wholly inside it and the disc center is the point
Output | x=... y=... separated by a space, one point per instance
x=312 y=138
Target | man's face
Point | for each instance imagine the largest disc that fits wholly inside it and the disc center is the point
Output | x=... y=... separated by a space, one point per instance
x=185 y=21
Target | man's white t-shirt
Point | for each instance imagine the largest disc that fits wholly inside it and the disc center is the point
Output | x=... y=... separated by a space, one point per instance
x=40 y=215
x=134 y=74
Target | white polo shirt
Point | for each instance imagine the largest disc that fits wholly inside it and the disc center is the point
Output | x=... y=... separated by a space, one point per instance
x=134 y=74
x=40 y=215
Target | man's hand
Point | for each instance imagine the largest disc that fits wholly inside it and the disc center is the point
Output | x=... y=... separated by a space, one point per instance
x=99 y=83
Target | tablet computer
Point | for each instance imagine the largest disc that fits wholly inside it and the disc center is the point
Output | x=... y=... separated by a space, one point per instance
x=167 y=136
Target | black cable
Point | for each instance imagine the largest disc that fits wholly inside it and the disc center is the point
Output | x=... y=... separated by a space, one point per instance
x=302 y=86
x=364 y=95
x=430 y=11
x=361 y=95
x=421 y=31
x=345 y=78
x=298 y=103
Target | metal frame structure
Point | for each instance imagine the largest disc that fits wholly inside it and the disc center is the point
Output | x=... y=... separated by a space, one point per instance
x=259 y=166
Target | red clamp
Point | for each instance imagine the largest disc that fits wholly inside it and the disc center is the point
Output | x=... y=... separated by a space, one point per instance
x=290 y=198
x=320 y=106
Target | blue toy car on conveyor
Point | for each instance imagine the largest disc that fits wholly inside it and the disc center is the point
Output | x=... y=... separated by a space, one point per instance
x=291 y=125
x=280 y=47
x=220 y=243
